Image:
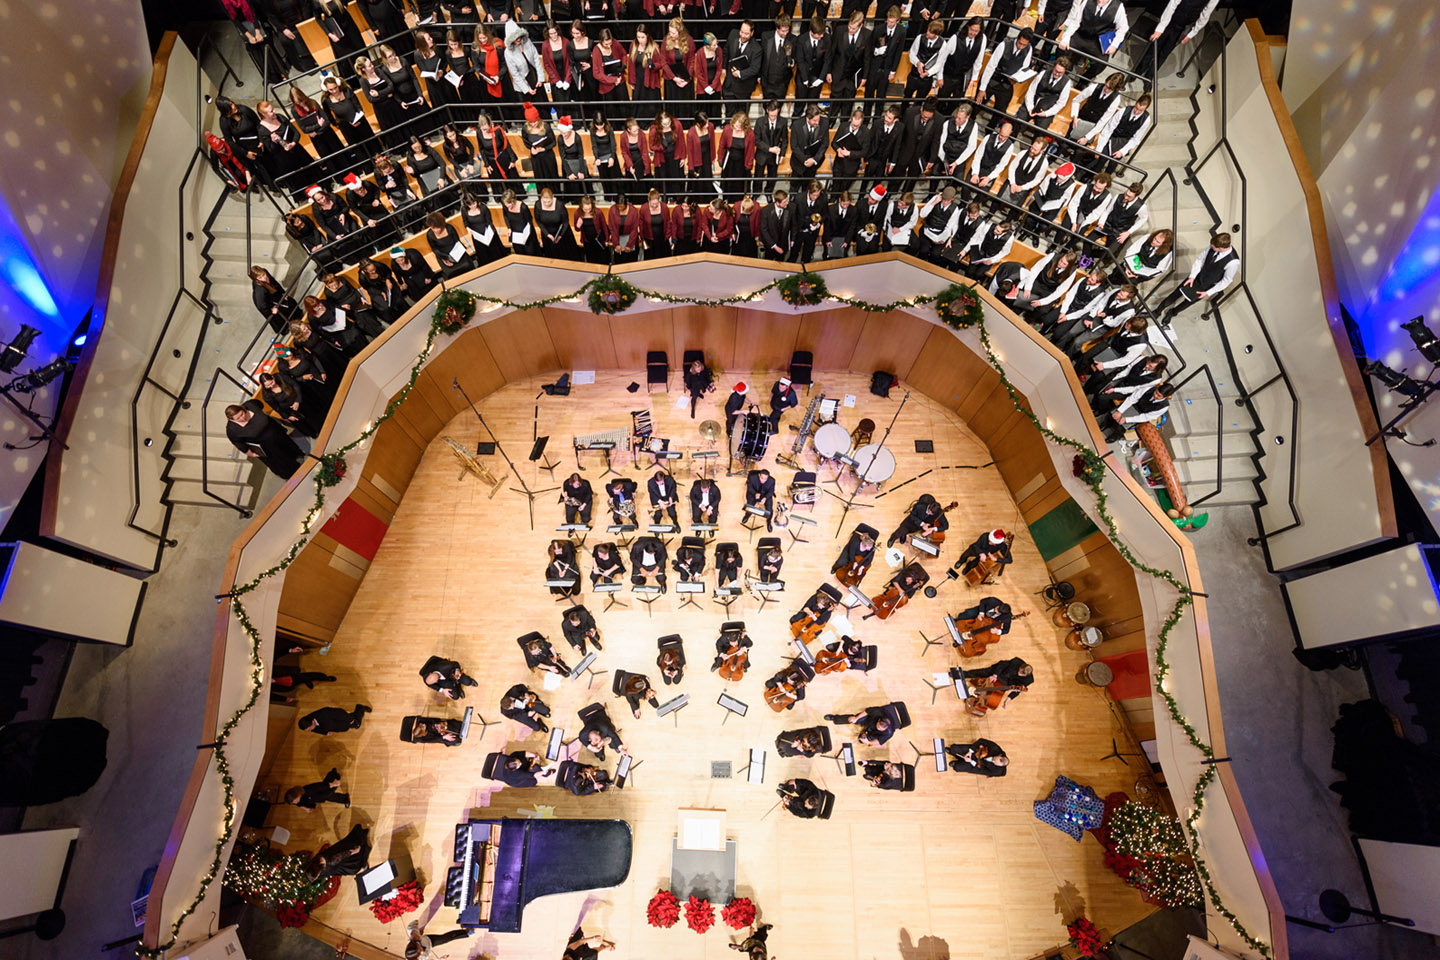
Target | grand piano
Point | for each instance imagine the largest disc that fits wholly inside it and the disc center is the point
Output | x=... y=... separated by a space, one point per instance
x=501 y=865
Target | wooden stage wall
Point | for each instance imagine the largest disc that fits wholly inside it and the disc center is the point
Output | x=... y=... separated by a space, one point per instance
x=738 y=343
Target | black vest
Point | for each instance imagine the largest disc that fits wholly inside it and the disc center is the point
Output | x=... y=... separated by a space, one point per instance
x=1084 y=293
x=1047 y=281
x=991 y=152
x=992 y=244
x=1093 y=110
x=964 y=57
x=1089 y=200
x=1054 y=189
x=1126 y=126
x=1212 y=267
x=955 y=139
x=1011 y=59
x=1094 y=21
x=1151 y=256
x=1028 y=166
x=1122 y=215
x=928 y=49
x=939 y=217
x=1047 y=91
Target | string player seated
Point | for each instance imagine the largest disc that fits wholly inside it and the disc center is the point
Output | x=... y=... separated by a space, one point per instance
x=430 y=730
x=854 y=561
x=800 y=797
x=446 y=677
x=847 y=653
x=588 y=780
x=599 y=734
x=689 y=562
x=578 y=498
x=579 y=627
x=998 y=684
x=727 y=563
x=883 y=774
x=671 y=663
x=562 y=566
x=760 y=493
x=926 y=517
x=647 y=562
x=991 y=549
x=704 y=501
x=770 y=563
x=663 y=495
x=539 y=655
x=522 y=769
x=731 y=652
x=636 y=688
x=991 y=608
x=524 y=705
x=606 y=563
x=900 y=590
x=876 y=727
x=621 y=494
x=800 y=743
x=983 y=757
x=785 y=689
x=813 y=615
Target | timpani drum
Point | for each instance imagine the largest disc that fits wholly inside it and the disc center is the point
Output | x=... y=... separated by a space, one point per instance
x=1074 y=614
x=1084 y=638
x=753 y=438
x=874 y=464
x=1095 y=674
x=831 y=440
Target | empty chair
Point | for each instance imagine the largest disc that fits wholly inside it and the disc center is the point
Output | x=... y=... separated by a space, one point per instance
x=827 y=805
x=565 y=775
x=801 y=365
x=657 y=370
x=872 y=656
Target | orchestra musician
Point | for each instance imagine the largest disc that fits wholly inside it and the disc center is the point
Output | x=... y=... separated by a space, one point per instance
x=731 y=653
x=578 y=498
x=899 y=591
x=636 y=688
x=704 y=501
x=992 y=608
x=876 y=726
x=578 y=625
x=813 y=615
x=520 y=769
x=884 y=774
x=800 y=797
x=983 y=757
x=847 y=653
x=621 y=492
x=524 y=705
x=992 y=549
x=698 y=382
x=854 y=561
x=671 y=661
x=663 y=495
x=689 y=562
x=770 y=563
x=563 y=566
x=800 y=743
x=647 y=559
x=727 y=563
x=589 y=780
x=446 y=677
x=606 y=563
x=760 y=492
x=997 y=684
x=598 y=733
x=427 y=730
x=782 y=398
x=926 y=517
x=785 y=689
x=539 y=655
x=733 y=403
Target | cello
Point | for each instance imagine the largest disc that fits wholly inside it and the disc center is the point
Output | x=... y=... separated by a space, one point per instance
x=937 y=537
x=984 y=699
x=891 y=600
x=733 y=663
x=785 y=693
x=975 y=646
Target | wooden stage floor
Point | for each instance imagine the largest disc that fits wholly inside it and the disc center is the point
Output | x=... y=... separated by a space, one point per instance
x=961 y=859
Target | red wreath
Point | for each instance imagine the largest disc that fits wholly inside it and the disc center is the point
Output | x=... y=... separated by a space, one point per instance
x=664 y=909
x=738 y=913
x=699 y=914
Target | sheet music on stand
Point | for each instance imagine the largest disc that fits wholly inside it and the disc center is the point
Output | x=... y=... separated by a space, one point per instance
x=465 y=723
x=954 y=630
x=565 y=584
x=690 y=586
x=756 y=771
x=847 y=758
x=663 y=528
x=856 y=598
x=622 y=770
x=582 y=666
x=573 y=528
x=923 y=545
x=552 y=749
x=728 y=590
x=603 y=587
x=962 y=689
x=940 y=765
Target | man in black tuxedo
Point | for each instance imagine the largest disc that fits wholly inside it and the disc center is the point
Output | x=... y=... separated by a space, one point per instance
x=810 y=211
x=772 y=139
x=647 y=559
x=887 y=41
x=812 y=59
x=809 y=139
x=742 y=66
x=621 y=491
x=849 y=61
x=663 y=495
x=704 y=501
x=760 y=492
x=775 y=227
x=885 y=133
x=916 y=154
x=777 y=60
x=782 y=398
x=524 y=705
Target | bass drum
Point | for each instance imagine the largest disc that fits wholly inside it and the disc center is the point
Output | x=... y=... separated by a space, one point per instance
x=753 y=437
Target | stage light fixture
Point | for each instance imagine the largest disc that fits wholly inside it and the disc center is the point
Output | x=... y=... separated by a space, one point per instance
x=1425 y=340
x=16 y=349
x=37 y=378
x=1399 y=382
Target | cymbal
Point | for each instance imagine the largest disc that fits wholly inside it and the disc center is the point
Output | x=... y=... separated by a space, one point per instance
x=709 y=429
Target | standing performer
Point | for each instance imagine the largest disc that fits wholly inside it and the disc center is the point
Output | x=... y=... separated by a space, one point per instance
x=446 y=677
x=578 y=498
x=663 y=495
x=698 y=382
x=926 y=518
x=854 y=561
x=323 y=791
x=704 y=501
x=733 y=403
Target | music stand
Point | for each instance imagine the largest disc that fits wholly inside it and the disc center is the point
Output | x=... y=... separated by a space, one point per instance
x=687 y=590
x=577 y=532
x=571 y=586
x=622 y=529
x=747 y=516
x=611 y=590
x=673 y=705
x=794 y=519
x=763 y=591
x=732 y=705
x=584 y=666
x=1115 y=752
x=647 y=595
x=937 y=752
x=538 y=451
x=928 y=642
x=726 y=595
x=471 y=719
x=706 y=530
x=934 y=687
x=845 y=757
x=524 y=487
x=665 y=531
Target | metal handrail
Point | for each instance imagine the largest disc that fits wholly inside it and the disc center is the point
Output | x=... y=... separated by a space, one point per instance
x=1219 y=431
x=205 y=440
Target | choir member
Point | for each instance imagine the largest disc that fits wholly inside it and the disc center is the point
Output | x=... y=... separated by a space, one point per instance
x=261 y=437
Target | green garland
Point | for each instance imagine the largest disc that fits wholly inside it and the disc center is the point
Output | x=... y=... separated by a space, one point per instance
x=464 y=302
x=332 y=470
x=802 y=289
x=611 y=295
x=959 y=306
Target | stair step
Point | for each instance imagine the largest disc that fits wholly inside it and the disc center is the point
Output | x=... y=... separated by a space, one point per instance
x=192 y=493
x=1204 y=471
x=272 y=252
x=229 y=223
x=222 y=470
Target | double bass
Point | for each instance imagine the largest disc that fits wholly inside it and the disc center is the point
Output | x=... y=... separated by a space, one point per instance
x=975 y=645
x=937 y=537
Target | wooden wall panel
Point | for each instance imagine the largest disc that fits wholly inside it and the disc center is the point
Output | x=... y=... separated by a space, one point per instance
x=763 y=341
x=378 y=503
x=468 y=359
x=636 y=334
x=946 y=370
x=997 y=415
x=582 y=341
x=423 y=421
x=711 y=329
x=394 y=454
x=1103 y=580
x=521 y=345
x=985 y=391
x=316 y=593
x=891 y=342
x=831 y=335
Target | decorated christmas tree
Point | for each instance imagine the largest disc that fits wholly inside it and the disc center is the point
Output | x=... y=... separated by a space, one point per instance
x=259 y=874
x=1165 y=872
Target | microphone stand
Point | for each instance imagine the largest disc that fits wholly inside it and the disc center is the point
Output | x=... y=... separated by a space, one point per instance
x=524 y=487
x=850 y=503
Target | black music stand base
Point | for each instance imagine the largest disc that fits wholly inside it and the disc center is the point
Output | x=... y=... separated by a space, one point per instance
x=484 y=725
x=548 y=467
x=686 y=600
x=726 y=602
x=1115 y=752
x=928 y=643
x=794 y=537
x=934 y=690
x=649 y=601
x=613 y=600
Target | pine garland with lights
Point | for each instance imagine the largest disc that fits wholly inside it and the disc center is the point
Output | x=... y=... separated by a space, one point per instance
x=611 y=295
x=790 y=285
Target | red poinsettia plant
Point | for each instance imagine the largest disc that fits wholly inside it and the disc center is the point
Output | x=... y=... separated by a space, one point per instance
x=292 y=914
x=1085 y=938
x=406 y=897
x=699 y=914
x=664 y=909
x=738 y=913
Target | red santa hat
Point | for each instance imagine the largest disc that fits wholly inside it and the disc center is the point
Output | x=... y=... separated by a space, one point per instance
x=312 y=192
x=878 y=193
x=997 y=536
x=741 y=388
x=564 y=125
x=1066 y=169
x=531 y=114
x=352 y=182
x=784 y=381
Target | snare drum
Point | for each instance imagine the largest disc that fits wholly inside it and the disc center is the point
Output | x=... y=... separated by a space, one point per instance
x=1075 y=614
x=831 y=440
x=753 y=438
x=874 y=464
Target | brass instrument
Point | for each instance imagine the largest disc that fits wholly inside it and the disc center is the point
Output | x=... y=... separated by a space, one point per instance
x=626 y=508
x=472 y=463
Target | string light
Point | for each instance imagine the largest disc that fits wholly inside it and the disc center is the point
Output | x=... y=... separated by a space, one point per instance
x=466 y=304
